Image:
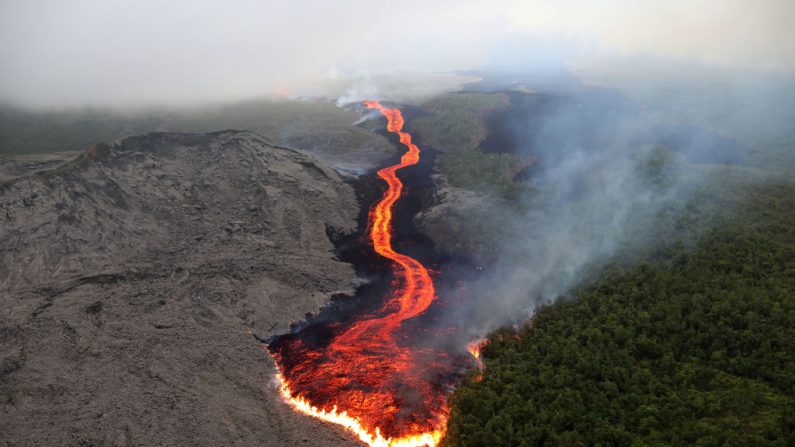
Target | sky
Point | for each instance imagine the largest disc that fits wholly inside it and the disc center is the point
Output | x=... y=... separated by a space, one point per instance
x=144 y=52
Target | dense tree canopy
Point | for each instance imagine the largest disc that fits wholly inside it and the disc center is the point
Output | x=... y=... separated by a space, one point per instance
x=695 y=348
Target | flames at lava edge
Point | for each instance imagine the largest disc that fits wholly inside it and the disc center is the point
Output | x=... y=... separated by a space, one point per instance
x=368 y=377
x=474 y=349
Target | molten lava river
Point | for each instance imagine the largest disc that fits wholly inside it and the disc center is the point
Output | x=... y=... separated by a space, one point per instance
x=371 y=374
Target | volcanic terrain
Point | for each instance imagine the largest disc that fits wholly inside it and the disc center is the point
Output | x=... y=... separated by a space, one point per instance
x=131 y=278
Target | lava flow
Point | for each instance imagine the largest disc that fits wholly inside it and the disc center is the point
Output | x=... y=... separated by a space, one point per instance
x=370 y=377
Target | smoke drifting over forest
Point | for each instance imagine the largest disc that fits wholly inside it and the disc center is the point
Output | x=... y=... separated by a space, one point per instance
x=605 y=184
x=90 y=52
x=619 y=174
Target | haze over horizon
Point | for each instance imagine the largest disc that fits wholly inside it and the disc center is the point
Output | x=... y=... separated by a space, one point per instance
x=125 y=53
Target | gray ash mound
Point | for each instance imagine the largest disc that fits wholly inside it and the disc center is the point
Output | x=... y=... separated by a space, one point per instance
x=131 y=275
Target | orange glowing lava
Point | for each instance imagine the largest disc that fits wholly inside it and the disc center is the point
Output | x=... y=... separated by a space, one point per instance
x=368 y=379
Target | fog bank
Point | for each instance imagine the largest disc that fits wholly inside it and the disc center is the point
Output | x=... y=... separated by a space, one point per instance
x=92 y=52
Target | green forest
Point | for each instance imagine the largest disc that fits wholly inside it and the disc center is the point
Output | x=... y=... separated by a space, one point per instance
x=301 y=123
x=693 y=346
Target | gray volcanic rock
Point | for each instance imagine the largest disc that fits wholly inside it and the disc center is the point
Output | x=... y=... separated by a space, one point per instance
x=131 y=279
x=465 y=223
x=18 y=165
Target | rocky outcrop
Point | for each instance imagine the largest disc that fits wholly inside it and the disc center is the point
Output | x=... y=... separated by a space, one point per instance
x=466 y=224
x=132 y=276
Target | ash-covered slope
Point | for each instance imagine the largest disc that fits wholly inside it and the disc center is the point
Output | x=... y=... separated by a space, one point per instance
x=130 y=277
